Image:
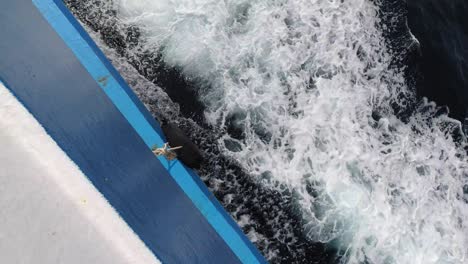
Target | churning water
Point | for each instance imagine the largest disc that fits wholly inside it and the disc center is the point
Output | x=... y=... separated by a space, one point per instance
x=305 y=98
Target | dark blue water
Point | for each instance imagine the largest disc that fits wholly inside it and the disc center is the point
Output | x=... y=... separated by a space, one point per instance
x=441 y=26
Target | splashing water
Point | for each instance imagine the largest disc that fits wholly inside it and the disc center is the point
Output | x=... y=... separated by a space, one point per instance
x=309 y=88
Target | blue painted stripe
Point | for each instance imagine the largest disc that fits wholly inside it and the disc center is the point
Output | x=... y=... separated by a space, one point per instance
x=124 y=99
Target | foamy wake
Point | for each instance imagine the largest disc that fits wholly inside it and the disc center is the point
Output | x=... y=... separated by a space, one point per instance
x=302 y=79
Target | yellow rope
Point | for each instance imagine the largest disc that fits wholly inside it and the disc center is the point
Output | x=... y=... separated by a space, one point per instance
x=166 y=151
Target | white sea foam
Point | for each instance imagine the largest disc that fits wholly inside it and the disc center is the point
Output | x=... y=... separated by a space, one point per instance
x=301 y=78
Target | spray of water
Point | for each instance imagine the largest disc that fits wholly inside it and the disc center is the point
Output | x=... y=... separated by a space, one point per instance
x=308 y=88
x=301 y=79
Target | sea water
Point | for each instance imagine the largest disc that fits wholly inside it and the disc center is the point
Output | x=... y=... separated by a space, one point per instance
x=306 y=97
